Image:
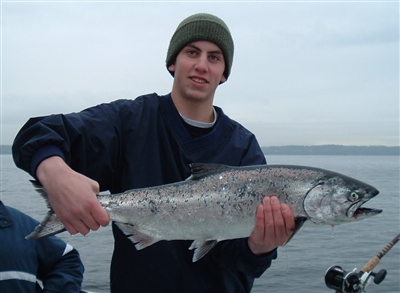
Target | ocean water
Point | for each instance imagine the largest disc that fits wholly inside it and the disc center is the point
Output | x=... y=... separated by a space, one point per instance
x=302 y=263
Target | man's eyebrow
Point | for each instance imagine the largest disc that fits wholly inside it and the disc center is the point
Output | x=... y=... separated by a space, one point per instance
x=191 y=45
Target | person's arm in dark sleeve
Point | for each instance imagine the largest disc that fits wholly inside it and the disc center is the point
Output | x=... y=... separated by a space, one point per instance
x=88 y=141
x=253 y=154
x=62 y=275
x=71 y=155
x=57 y=264
x=236 y=255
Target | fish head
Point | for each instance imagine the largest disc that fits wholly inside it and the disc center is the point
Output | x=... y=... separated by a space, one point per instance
x=336 y=199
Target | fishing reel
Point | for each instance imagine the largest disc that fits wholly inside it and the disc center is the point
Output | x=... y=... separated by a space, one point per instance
x=351 y=282
x=355 y=282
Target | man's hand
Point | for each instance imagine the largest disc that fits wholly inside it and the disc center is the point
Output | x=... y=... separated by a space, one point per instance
x=72 y=196
x=274 y=225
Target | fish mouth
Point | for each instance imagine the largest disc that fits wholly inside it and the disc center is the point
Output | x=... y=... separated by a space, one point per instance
x=358 y=213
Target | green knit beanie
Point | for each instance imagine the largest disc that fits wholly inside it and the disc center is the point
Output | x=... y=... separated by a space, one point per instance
x=202 y=27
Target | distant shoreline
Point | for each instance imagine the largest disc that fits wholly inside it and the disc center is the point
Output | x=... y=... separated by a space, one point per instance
x=328 y=150
x=332 y=150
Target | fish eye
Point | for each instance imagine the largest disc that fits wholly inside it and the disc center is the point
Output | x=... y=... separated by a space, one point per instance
x=353 y=196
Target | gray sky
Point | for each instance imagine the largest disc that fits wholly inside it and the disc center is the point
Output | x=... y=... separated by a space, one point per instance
x=304 y=73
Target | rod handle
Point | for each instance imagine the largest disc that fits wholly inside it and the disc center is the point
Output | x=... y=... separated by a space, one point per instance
x=371 y=264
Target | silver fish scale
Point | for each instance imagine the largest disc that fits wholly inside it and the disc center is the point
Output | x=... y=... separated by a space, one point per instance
x=197 y=207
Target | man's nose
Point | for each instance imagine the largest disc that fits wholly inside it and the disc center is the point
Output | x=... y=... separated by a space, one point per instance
x=201 y=63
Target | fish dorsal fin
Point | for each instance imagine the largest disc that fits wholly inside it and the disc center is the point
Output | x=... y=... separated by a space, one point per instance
x=201 y=170
x=201 y=248
x=140 y=239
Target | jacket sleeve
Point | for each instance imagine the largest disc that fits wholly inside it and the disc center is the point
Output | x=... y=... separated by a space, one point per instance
x=55 y=263
x=253 y=154
x=60 y=266
x=94 y=134
x=236 y=255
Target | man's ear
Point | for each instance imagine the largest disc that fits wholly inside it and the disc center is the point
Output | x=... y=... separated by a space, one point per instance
x=171 y=68
x=223 y=79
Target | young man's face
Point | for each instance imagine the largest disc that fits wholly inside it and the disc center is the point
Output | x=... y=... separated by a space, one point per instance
x=198 y=70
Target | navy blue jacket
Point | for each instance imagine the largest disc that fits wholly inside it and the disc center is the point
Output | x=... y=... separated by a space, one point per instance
x=140 y=143
x=56 y=264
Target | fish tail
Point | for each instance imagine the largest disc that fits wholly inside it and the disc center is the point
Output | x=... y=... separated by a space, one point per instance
x=51 y=224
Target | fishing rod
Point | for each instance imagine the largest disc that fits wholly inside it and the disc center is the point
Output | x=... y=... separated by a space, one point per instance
x=356 y=282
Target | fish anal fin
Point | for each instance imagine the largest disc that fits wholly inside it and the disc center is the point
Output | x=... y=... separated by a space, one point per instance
x=141 y=240
x=201 y=248
x=299 y=222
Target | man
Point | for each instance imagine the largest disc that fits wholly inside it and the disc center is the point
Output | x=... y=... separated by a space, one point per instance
x=151 y=141
x=51 y=261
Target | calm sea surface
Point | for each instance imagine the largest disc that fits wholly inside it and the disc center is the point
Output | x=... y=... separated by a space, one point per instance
x=302 y=264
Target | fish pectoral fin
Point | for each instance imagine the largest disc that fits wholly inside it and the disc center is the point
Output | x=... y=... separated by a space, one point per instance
x=299 y=222
x=201 y=248
x=141 y=240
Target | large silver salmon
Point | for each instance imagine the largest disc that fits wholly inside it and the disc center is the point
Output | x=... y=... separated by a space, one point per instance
x=219 y=202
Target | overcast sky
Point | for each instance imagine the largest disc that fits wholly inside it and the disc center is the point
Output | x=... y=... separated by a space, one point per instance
x=304 y=73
